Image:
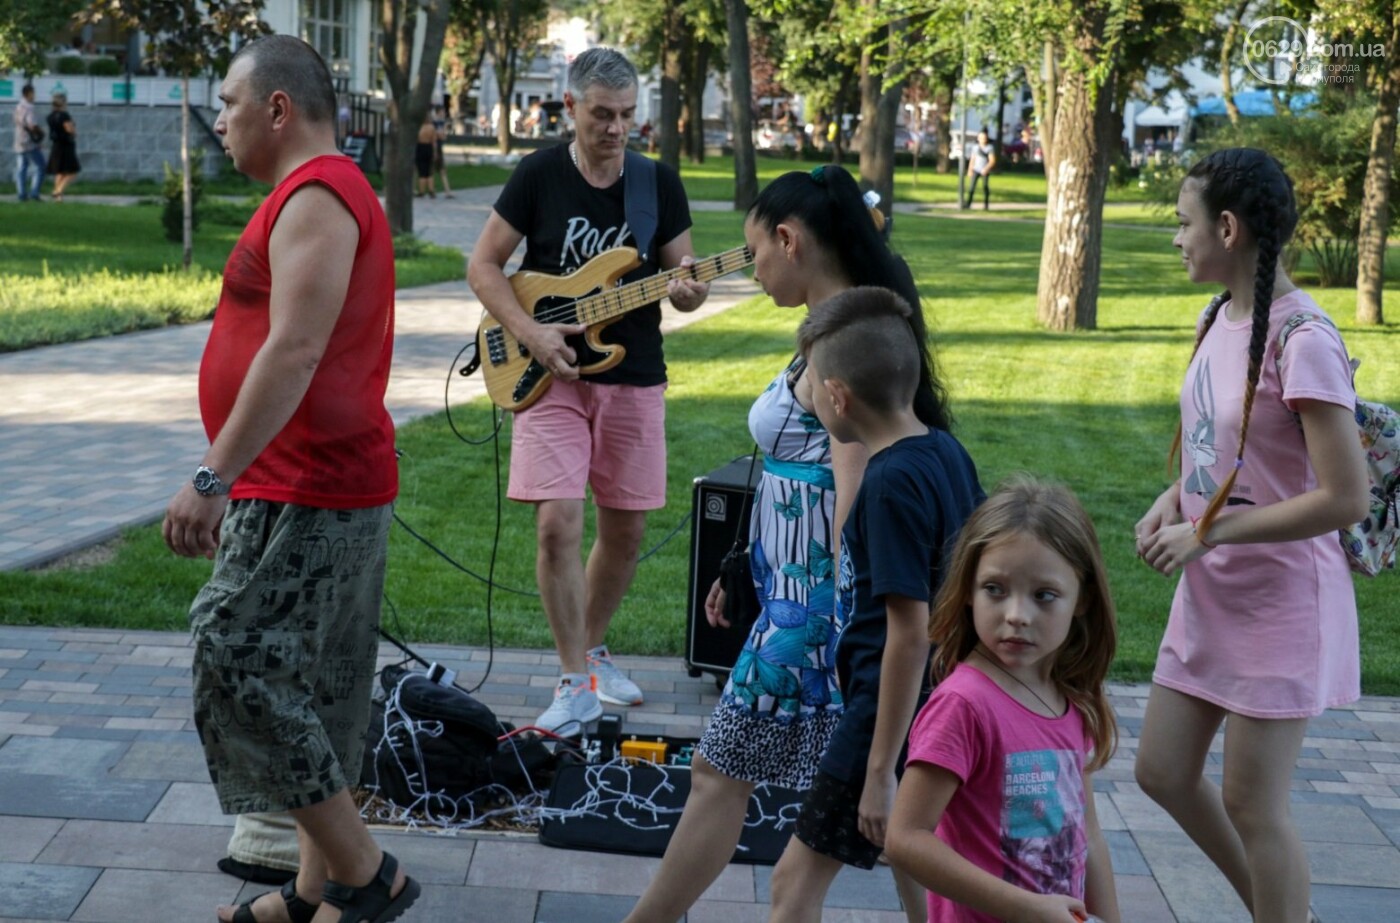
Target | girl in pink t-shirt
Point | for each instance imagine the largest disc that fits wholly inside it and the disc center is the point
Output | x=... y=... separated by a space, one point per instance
x=1263 y=626
x=995 y=814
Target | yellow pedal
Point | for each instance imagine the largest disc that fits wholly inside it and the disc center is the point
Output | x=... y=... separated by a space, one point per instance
x=653 y=751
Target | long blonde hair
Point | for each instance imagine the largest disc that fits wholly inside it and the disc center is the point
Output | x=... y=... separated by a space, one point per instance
x=1052 y=515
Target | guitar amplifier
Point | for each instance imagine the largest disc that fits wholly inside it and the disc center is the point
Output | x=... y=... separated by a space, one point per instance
x=720 y=506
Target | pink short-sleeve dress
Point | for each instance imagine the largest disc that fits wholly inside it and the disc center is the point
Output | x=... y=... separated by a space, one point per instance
x=1263 y=630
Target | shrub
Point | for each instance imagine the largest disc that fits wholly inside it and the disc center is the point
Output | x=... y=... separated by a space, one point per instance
x=172 y=216
x=68 y=64
x=104 y=67
x=1324 y=149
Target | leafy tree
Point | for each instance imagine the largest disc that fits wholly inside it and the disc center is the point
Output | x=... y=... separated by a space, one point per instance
x=513 y=28
x=185 y=38
x=410 y=92
x=25 y=27
x=1373 y=21
x=464 y=49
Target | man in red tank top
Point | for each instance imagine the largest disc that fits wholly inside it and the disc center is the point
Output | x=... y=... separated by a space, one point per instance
x=293 y=497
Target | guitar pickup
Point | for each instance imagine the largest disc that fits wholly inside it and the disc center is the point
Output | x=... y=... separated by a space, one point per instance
x=496 y=346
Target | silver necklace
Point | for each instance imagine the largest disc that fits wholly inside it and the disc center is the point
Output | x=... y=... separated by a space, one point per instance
x=573 y=155
x=1008 y=674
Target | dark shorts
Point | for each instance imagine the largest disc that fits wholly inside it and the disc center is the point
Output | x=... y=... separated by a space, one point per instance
x=829 y=822
x=423 y=160
x=286 y=639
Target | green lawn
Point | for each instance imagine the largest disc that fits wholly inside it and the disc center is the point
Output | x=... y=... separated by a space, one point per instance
x=77 y=271
x=1094 y=409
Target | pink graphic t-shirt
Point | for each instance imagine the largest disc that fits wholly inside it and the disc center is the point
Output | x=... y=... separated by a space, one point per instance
x=1264 y=630
x=1019 y=813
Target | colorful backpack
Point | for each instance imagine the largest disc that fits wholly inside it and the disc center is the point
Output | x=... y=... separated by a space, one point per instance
x=1370 y=545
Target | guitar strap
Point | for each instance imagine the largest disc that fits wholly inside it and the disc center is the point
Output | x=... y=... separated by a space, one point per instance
x=639 y=196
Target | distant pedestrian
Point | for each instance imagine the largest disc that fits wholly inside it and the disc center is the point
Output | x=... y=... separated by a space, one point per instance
x=423 y=152
x=983 y=159
x=294 y=495
x=439 y=161
x=29 y=155
x=63 y=153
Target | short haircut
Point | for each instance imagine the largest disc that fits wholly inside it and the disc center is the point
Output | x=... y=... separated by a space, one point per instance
x=601 y=66
x=27 y=90
x=863 y=336
x=286 y=63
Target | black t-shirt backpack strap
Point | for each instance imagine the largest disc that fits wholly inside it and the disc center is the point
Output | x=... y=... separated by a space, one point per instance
x=643 y=208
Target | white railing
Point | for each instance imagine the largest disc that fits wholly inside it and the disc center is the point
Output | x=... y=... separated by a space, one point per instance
x=83 y=90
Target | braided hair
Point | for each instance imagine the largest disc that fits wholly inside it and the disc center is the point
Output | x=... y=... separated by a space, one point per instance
x=1254 y=187
x=829 y=204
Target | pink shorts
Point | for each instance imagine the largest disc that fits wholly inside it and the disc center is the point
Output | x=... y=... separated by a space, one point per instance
x=581 y=434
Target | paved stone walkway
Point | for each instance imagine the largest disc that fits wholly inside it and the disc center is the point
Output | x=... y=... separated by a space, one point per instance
x=106 y=809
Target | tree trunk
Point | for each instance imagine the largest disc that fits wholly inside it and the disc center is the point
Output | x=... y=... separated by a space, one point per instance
x=699 y=65
x=505 y=84
x=186 y=183
x=943 y=98
x=879 y=107
x=1227 y=59
x=671 y=68
x=1071 y=250
x=1375 y=199
x=410 y=92
x=741 y=105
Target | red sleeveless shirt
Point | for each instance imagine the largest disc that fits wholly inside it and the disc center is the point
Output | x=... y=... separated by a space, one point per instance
x=337 y=450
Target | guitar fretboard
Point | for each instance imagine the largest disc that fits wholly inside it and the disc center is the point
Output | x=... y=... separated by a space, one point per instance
x=618 y=301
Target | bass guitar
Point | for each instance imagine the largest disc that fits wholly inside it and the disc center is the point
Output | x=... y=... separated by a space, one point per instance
x=590 y=296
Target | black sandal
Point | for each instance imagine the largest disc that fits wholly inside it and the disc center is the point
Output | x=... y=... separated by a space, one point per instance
x=300 y=911
x=373 y=902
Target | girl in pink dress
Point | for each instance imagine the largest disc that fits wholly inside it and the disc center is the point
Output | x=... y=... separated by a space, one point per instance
x=995 y=815
x=1263 y=626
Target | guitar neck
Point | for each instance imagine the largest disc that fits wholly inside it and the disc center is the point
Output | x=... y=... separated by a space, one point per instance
x=615 y=302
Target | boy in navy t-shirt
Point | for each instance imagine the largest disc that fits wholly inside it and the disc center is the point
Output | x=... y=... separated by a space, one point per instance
x=919 y=487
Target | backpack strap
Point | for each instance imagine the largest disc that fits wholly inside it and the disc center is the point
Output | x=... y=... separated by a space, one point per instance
x=1292 y=324
x=640 y=198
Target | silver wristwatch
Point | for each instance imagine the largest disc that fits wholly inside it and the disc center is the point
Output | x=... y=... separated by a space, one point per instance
x=207 y=482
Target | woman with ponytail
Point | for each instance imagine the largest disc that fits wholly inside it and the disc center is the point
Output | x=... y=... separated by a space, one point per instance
x=1263 y=625
x=812 y=237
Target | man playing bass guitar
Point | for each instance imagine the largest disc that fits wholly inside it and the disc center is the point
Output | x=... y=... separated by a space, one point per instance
x=606 y=431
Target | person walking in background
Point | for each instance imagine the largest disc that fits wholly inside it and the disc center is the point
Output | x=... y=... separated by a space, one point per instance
x=1263 y=630
x=293 y=498
x=63 y=152
x=424 y=152
x=439 y=160
x=979 y=168
x=29 y=153
x=1023 y=632
x=812 y=236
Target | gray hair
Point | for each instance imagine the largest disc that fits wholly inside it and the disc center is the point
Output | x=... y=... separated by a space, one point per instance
x=601 y=66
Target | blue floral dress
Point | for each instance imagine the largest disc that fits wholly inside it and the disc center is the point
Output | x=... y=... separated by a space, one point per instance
x=782 y=703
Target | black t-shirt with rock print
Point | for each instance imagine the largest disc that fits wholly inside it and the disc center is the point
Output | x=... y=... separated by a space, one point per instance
x=566 y=222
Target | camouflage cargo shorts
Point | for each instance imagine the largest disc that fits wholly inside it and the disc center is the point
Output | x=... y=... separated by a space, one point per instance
x=285 y=647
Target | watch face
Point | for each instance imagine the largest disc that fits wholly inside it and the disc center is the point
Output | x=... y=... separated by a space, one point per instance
x=206 y=481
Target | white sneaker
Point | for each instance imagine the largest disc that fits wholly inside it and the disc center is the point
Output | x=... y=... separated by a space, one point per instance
x=612 y=684
x=575 y=704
